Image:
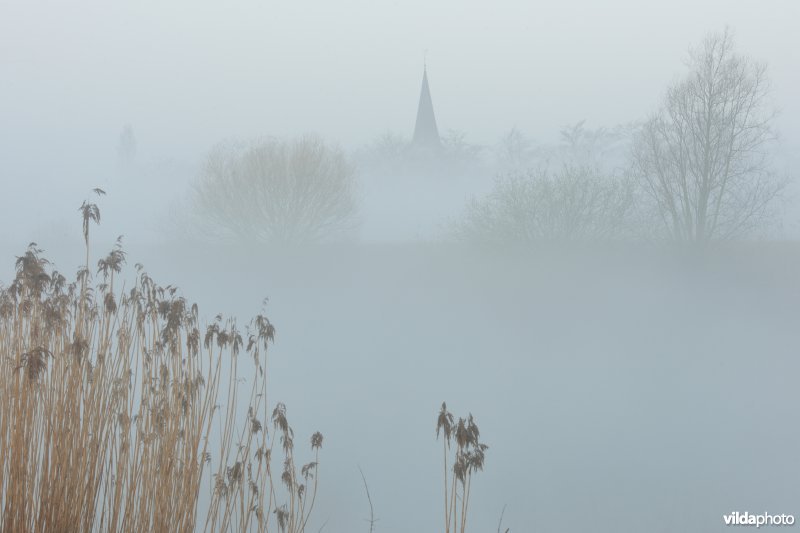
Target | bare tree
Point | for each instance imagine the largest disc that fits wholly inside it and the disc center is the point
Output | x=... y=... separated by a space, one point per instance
x=455 y=146
x=595 y=147
x=703 y=158
x=602 y=148
x=514 y=151
x=574 y=204
x=277 y=191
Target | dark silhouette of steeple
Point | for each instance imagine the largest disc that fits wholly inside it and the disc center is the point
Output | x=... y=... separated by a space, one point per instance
x=426 y=134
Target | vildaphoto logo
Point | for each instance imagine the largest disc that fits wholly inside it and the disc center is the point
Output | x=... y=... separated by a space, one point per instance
x=765 y=519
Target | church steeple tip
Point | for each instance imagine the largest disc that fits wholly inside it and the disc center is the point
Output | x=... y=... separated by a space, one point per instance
x=426 y=134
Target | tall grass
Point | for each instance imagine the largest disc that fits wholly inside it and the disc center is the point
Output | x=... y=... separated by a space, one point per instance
x=461 y=445
x=118 y=409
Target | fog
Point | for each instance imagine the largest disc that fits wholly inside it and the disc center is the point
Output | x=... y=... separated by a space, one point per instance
x=629 y=372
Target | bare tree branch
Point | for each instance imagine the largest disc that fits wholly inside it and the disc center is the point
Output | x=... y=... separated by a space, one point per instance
x=703 y=158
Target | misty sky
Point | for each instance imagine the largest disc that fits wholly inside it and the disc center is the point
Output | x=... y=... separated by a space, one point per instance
x=187 y=74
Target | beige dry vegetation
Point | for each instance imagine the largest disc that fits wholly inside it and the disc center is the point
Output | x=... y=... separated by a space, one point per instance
x=118 y=409
x=461 y=443
x=120 y=412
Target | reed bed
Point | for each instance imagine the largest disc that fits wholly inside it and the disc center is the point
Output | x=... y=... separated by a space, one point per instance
x=119 y=410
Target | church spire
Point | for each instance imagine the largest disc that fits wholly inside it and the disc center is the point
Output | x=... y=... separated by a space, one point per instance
x=426 y=134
